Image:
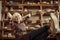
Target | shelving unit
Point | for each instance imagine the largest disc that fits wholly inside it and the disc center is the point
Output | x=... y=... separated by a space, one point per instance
x=23 y=6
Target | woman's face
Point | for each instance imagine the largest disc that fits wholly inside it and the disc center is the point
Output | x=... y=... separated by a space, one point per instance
x=15 y=19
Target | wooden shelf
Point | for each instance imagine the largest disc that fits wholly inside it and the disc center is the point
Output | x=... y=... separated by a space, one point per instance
x=22 y=6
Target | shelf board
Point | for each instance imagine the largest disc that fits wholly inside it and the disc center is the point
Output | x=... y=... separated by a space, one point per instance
x=49 y=5
x=14 y=11
x=32 y=5
x=8 y=29
x=8 y=37
x=23 y=5
x=14 y=5
x=45 y=23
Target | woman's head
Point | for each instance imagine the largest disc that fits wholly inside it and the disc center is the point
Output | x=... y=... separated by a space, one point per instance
x=17 y=17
